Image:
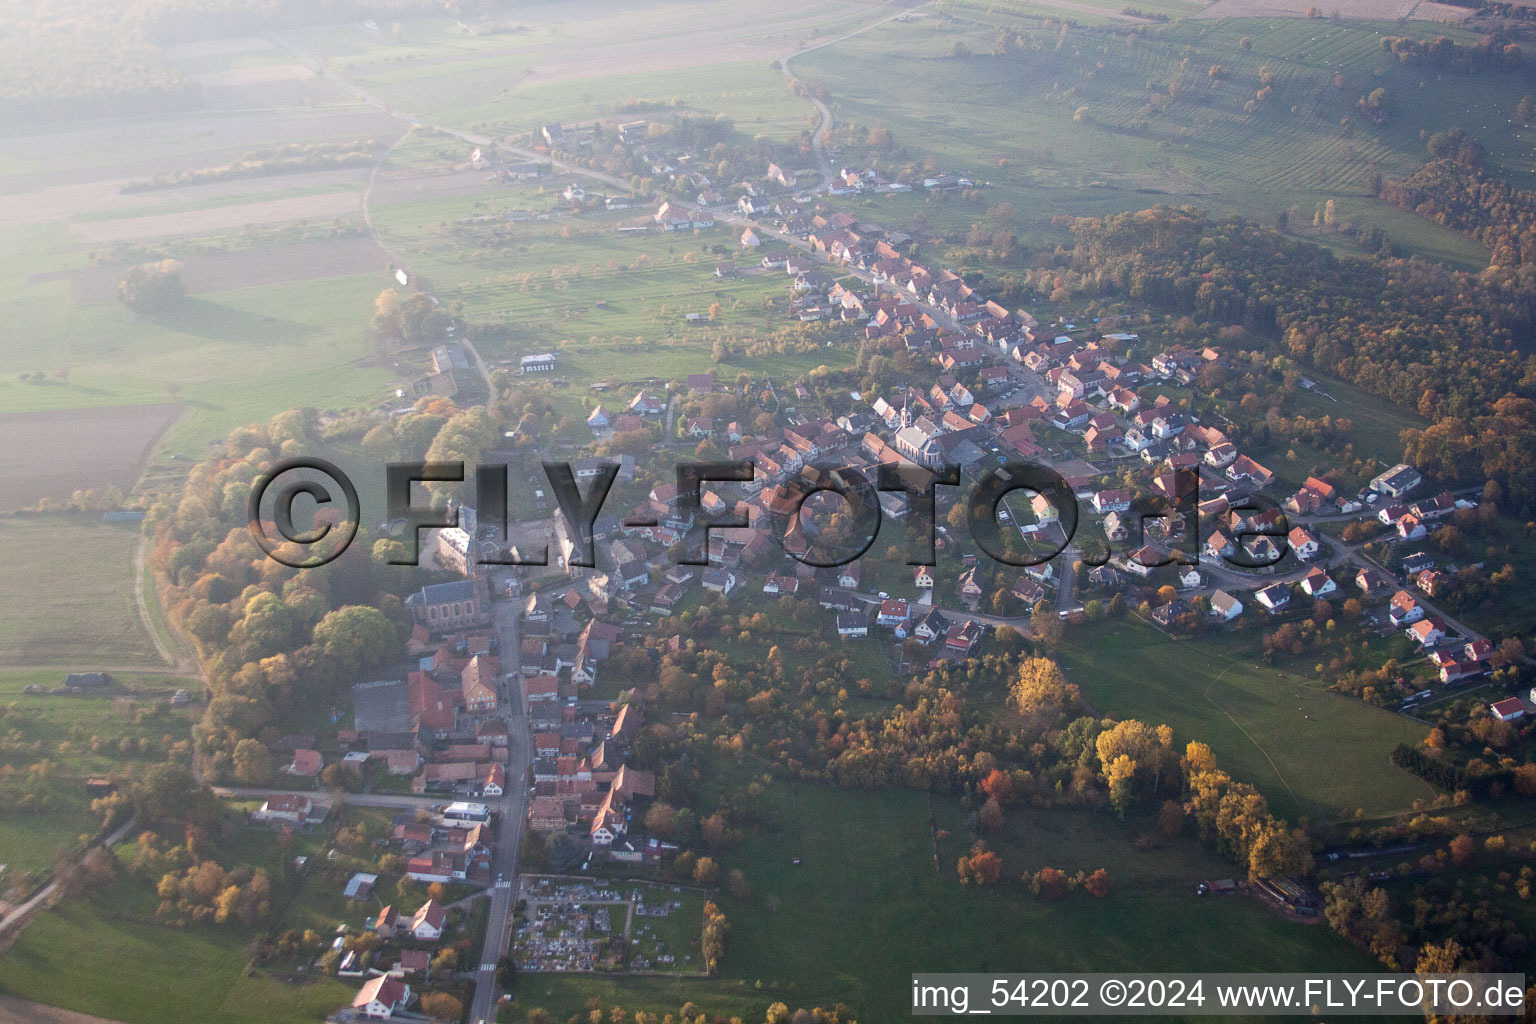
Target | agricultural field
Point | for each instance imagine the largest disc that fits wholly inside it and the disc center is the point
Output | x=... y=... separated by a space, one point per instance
x=50 y=455
x=1311 y=753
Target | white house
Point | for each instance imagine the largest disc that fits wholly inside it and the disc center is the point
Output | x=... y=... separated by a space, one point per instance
x=1404 y=609
x=382 y=997
x=495 y=781
x=1317 y=583
x=427 y=924
x=1225 y=607
x=294 y=808
x=1303 y=543
x=1426 y=632
x=1274 y=597
x=893 y=613
x=1508 y=710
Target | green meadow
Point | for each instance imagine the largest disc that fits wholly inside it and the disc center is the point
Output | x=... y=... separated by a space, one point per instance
x=867 y=906
x=1311 y=753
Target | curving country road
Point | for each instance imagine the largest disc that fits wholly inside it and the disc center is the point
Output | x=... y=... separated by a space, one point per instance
x=819 y=136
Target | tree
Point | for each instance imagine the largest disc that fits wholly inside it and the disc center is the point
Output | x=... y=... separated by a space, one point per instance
x=165 y=792
x=1526 y=110
x=386 y=313
x=152 y=287
x=1045 y=625
x=1121 y=776
x=1098 y=884
x=442 y=1006
x=1050 y=883
x=253 y=763
x=1277 y=850
x=986 y=867
x=1170 y=818
x=706 y=871
x=990 y=817
x=445 y=963
x=1041 y=693
x=340 y=777
x=1463 y=848
x=356 y=639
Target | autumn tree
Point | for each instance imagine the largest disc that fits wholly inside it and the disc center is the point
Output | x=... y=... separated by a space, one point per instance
x=152 y=288
x=442 y=1006
x=253 y=763
x=1041 y=692
x=1049 y=883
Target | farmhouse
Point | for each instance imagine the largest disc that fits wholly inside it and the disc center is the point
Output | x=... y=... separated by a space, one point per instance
x=540 y=362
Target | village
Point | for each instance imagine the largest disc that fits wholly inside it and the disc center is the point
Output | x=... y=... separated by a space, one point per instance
x=1004 y=388
x=508 y=724
x=504 y=653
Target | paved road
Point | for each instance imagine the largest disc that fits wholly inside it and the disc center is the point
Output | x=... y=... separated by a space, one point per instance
x=18 y=915
x=513 y=808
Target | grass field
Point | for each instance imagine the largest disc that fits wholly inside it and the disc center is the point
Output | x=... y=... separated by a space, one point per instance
x=78 y=607
x=232 y=356
x=547 y=280
x=106 y=954
x=81 y=737
x=1136 y=143
x=1311 y=753
x=866 y=908
x=573 y=66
